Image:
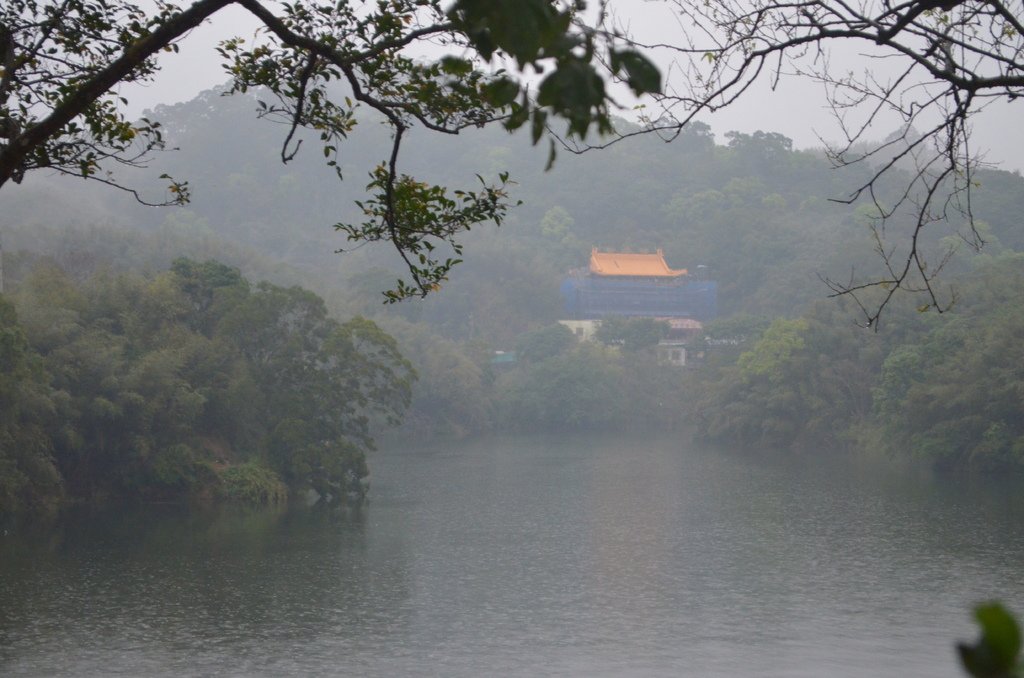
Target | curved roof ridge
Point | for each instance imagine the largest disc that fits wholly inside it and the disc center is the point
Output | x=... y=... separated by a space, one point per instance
x=646 y=265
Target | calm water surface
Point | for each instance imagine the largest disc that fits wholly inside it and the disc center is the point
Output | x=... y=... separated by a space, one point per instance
x=528 y=557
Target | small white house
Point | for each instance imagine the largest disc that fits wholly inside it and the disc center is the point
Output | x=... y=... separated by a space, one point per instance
x=672 y=352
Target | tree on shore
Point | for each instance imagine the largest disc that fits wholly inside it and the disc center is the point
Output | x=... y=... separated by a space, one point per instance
x=191 y=383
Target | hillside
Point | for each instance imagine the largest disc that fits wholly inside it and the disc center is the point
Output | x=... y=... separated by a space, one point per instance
x=759 y=215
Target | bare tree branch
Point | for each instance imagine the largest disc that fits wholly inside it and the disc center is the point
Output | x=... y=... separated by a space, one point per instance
x=954 y=56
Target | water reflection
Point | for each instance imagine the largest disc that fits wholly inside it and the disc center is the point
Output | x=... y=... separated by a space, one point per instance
x=166 y=590
x=589 y=556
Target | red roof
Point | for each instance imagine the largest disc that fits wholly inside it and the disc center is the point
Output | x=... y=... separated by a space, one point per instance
x=640 y=265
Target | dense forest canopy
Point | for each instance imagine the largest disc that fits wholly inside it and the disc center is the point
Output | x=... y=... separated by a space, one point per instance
x=923 y=69
x=193 y=382
x=756 y=212
x=784 y=366
x=60 y=107
x=62 y=65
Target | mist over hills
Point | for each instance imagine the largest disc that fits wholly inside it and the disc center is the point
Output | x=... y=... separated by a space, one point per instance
x=757 y=213
x=795 y=370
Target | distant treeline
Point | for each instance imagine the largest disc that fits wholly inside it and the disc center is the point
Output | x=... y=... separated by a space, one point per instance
x=786 y=368
x=946 y=388
x=556 y=384
x=757 y=213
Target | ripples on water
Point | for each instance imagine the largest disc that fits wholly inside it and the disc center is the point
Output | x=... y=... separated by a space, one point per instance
x=576 y=557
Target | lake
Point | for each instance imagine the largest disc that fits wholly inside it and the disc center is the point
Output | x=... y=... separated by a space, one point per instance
x=537 y=556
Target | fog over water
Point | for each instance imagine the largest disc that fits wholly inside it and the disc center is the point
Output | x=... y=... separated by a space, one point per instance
x=142 y=357
x=577 y=556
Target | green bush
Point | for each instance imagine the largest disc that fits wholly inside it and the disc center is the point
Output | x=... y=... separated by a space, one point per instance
x=253 y=483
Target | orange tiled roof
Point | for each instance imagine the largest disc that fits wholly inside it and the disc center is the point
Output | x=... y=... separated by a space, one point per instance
x=621 y=263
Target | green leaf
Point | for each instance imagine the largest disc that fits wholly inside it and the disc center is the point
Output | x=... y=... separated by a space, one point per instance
x=552 y=153
x=519 y=116
x=540 y=118
x=453 y=66
x=642 y=76
x=994 y=655
x=501 y=92
x=1000 y=631
x=575 y=92
x=523 y=28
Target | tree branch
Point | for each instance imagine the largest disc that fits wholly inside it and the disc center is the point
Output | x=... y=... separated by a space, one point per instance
x=13 y=155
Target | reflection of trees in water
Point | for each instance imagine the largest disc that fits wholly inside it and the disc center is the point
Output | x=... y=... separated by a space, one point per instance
x=579 y=552
x=160 y=580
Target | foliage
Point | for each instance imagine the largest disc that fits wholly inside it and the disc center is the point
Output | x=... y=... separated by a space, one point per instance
x=591 y=387
x=774 y=350
x=28 y=474
x=423 y=209
x=530 y=64
x=805 y=382
x=946 y=61
x=763 y=229
x=632 y=334
x=577 y=390
x=253 y=483
x=996 y=653
x=62 y=63
x=946 y=389
x=953 y=395
x=738 y=329
x=158 y=387
x=705 y=204
x=453 y=392
x=544 y=342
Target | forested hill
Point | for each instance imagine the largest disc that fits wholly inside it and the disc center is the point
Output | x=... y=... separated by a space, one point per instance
x=753 y=210
x=757 y=213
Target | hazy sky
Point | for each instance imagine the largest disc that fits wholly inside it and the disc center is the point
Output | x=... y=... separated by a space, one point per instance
x=796 y=109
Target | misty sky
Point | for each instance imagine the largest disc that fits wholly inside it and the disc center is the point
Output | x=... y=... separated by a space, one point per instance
x=797 y=108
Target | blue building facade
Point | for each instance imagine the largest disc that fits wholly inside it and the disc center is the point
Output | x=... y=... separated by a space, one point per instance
x=637 y=285
x=590 y=298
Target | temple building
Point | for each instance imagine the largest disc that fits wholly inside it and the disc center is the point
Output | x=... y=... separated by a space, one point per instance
x=639 y=286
